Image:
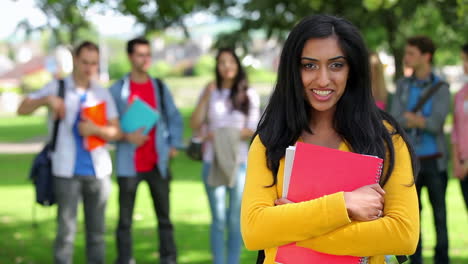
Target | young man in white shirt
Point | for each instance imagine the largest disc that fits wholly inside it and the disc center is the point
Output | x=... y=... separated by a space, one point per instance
x=80 y=172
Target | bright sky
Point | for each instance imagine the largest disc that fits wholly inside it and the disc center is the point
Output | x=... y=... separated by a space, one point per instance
x=12 y=12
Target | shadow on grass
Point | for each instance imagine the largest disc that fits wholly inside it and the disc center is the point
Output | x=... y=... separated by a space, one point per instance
x=22 y=243
x=453 y=260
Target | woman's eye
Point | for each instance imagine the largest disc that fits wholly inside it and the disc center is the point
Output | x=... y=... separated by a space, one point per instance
x=337 y=65
x=309 y=66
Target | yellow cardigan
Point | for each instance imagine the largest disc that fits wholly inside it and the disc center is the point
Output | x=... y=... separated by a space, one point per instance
x=323 y=224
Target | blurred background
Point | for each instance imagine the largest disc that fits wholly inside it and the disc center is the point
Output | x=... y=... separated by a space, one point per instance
x=184 y=34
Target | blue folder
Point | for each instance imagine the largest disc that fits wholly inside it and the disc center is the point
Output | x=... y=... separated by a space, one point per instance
x=139 y=115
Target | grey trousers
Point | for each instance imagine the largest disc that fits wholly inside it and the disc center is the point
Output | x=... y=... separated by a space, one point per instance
x=94 y=193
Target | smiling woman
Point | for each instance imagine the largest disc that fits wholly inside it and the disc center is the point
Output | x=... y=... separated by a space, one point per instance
x=324 y=73
x=323 y=97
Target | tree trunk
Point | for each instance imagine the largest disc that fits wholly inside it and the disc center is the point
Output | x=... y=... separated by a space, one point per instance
x=396 y=49
x=397 y=52
x=73 y=33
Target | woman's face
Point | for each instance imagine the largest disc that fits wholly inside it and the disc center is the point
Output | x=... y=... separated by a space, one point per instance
x=227 y=66
x=324 y=72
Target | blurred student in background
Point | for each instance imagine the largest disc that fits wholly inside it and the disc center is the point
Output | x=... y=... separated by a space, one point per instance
x=228 y=112
x=80 y=173
x=379 y=88
x=425 y=128
x=460 y=128
x=143 y=157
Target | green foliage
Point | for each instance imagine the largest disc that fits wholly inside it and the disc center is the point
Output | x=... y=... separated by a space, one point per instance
x=260 y=75
x=118 y=67
x=447 y=39
x=161 y=14
x=21 y=128
x=160 y=69
x=205 y=66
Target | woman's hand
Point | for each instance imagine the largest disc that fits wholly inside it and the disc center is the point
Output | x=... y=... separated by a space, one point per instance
x=208 y=137
x=199 y=114
x=208 y=90
x=365 y=203
x=457 y=168
x=282 y=201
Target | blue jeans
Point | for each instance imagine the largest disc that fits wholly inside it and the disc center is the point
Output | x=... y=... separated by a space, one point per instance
x=225 y=217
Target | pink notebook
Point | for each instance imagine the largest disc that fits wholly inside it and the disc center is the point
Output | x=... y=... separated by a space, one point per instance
x=318 y=171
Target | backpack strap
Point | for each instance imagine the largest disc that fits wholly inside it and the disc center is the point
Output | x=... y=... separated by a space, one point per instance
x=426 y=96
x=61 y=94
x=161 y=102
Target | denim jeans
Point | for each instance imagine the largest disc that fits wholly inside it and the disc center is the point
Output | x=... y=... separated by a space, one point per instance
x=94 y=193
x=436 y=183
x=225 y=217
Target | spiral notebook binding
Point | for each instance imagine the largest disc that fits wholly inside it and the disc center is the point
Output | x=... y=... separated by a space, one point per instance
x=363 y=260
x=378 y=174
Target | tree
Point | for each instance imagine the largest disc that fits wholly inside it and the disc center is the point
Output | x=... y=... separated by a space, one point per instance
x=65 y=18
x=384 y=23
x=157 y=15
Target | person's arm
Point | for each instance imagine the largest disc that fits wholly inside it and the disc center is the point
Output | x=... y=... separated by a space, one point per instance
x=396 y=233
x=44 y=97
x=254 y=115
x=29 y=105
x=440 y=109
x=397 y=107
x=199 y=114
x=175 y=122
x=109 y=132
x=265 y=225
x=457 y=166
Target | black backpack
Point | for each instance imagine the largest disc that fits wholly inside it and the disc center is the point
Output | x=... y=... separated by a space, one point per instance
x=41 y=170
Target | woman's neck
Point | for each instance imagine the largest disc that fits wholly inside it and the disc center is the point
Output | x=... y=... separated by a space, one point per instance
x=322 y=120
x=324 y=133
x=227 y=83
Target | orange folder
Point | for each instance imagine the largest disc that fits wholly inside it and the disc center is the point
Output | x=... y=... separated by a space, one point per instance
x=318 y=171
x=97 y=114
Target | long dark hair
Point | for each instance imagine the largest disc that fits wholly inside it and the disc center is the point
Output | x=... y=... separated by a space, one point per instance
x=357 y=119
x=238 y=96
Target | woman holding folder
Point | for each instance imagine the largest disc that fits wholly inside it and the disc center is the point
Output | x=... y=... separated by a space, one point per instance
x=323 y=97
x=228 y=113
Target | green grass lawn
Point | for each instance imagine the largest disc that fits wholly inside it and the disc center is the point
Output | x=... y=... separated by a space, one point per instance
x=21 y=243
x=21 y=128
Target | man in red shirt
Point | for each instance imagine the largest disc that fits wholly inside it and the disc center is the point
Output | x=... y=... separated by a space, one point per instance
x=145 y=157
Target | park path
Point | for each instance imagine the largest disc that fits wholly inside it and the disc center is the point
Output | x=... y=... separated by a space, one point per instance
x=27 y=147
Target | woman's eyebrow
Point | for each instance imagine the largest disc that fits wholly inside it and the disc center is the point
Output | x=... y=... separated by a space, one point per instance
x=331 y=59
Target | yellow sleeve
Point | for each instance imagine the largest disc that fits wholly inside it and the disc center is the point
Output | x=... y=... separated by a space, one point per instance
x=265 y=225
x=396 y=233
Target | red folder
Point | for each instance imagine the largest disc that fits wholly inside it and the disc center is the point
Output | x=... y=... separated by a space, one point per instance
x=319 y=171
x=97 y=114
